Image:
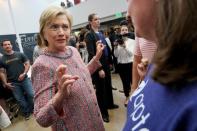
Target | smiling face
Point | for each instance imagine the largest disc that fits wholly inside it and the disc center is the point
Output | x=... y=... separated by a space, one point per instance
x=57 y=33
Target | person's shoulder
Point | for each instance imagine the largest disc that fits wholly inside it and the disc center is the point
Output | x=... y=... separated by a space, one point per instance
x=4 y=56
x=1 y=62
x=18 y=53
x=41 y=66
x=87 y=34
x=90 y=33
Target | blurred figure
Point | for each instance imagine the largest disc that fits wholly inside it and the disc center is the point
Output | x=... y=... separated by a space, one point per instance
x=38 y=49
x=73 y=40
x=144 y=20
x=167 y=98
x=102 y=77
x=81 y=46
x=123 y=50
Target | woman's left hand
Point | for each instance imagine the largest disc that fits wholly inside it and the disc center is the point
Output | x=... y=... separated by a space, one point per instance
x=99 y=50
x=142 y=67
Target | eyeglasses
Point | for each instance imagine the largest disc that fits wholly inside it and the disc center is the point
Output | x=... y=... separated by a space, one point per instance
x=56 y=27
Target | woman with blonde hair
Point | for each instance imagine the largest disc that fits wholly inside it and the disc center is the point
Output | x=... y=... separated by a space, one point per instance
x=64 y=94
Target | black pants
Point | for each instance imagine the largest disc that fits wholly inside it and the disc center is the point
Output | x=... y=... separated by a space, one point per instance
x=100 y=93
x=125 y=72
x=108 y=87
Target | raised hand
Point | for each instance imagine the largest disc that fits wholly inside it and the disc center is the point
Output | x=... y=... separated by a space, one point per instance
x=142 y=67
x=99 y=49
x=65 y=81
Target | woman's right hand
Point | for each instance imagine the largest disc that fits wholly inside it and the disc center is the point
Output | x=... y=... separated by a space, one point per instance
x=65 y=81
x=99 y=50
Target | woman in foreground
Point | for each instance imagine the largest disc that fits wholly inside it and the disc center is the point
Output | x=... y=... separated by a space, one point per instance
x=167 y=98
x=64 y=94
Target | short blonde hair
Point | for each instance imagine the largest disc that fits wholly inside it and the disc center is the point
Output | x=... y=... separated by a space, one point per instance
x=48 y=15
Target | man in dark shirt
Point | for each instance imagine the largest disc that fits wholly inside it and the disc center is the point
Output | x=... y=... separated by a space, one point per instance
x=17 y=65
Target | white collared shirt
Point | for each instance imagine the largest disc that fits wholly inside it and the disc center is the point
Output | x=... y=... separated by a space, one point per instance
x=125 y=54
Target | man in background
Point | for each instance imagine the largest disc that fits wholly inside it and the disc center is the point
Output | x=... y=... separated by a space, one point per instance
x=17 y=65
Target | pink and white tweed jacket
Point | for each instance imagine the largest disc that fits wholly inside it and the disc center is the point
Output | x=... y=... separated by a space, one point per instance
x=81 y=111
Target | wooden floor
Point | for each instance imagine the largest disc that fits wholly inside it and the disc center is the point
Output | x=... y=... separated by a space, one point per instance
x=117 y=116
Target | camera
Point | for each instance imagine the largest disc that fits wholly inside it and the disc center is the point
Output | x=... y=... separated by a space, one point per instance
x=120 y=39
x=81 y=45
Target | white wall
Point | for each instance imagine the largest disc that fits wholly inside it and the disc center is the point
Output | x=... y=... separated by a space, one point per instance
x=104 y=8
x=5 y=19
x=26 y=15
x=27 y=12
